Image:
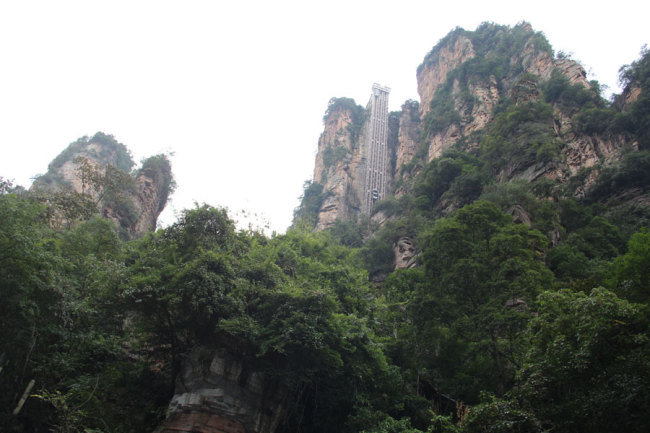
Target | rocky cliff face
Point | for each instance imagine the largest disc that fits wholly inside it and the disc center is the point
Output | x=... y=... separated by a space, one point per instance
x=405 y=253
x=408 y=137
x=154 y=183
x=216 y=393
x=474 y=77
x=444 y=58
x=338 y=164
x=473 y=90
x=579 y=152
x=462 y=83
x=99 y=169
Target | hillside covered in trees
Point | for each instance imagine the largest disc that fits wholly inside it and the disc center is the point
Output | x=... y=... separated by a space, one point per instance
x=525 y=307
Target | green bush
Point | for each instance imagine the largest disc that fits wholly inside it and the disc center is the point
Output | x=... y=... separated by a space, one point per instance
x=333 y=155
x=310 y=203
x=357 y=112
x=520 y=135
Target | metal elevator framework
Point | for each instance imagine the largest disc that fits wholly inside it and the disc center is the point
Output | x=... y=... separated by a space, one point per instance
x=376 y=142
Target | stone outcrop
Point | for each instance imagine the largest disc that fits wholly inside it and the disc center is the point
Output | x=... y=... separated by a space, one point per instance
x=340 y=157
x=408 y=136
x=408 y=139
x=335 y=134
x=433 y=72
x=474 y=116
x=443 y=140
x=486 y=96
x=520 y=215
x=579 y=152
x=153 y=184
x=405 y=253
x=542 y=64
x=630 y=95
x=99 y=168
x=471 y=69
x=477 y=110
x=516 y=304
x=216 y=393
x=338 y=167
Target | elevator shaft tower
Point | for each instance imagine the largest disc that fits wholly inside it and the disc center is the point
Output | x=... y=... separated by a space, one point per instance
x=376 y=143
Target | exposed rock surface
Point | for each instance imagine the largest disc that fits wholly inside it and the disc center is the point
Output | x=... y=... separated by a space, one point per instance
x=152 y=191
x=339 y=160
x=338 y=168
x=443 y=140
x=336 y=133
x=579 y=152
x=516 y=304
x=409 y=133
x=433 y=72
x=542 y=64
x=520 y=215
x=486 y=96
x=408 y=137
x=100 y=168
x=473 y=73
x=630 y=95
x=405 y=253
x=477 y=110
x=474 y=116
x=216 y=393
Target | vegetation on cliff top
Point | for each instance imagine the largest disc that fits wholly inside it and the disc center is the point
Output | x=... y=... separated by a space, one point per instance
x=357 y=115
x=108 y=151
x=492 y=40
x=103 y=169
x=481 y=327
x=528 y=312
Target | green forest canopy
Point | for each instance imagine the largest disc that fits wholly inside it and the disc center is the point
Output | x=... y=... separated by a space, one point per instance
x=503 y=326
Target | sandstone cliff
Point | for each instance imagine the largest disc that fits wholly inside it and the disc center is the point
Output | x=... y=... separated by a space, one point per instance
x=408 y=138
x=215 y=393
x=467 y=75
x=469 y=85
x=444 y=58
x=154 y=184
x=339 y=162
x=470 y=78
x=99 y=171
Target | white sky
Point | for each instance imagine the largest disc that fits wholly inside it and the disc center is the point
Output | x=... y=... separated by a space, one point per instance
x=237 y=89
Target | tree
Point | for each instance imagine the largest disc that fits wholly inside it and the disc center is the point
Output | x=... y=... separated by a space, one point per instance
x=29 y=301
x=293 y=307
x=636 y=119
x=100 y=182
x=630 y=277
x=588 y=365
x=470 y=308
x=494 y=415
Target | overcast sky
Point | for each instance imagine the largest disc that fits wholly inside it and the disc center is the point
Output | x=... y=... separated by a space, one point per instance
x=237 y=89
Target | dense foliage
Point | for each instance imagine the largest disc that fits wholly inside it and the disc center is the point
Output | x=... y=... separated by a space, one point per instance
x=102 y=326
x=530 y=301
x=528 y=309
x=108 y=149
x=636 y=116
x=310 y=203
